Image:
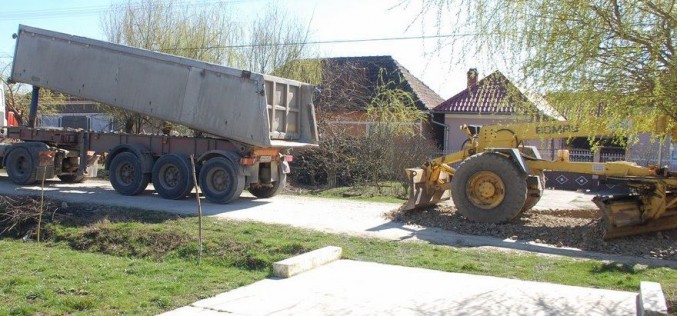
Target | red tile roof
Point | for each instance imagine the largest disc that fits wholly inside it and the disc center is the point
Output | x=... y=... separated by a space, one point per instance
x=484 y=97
x=496 y=94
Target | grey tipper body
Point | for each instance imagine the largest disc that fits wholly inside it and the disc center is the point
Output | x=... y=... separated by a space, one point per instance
x=218 y=100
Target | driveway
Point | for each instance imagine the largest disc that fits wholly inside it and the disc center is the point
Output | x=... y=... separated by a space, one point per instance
x=328 y=215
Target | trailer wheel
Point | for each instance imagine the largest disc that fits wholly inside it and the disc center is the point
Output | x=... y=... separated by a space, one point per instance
x=71 y=178
x=489 y=188
x=260 y=191
x=126 y=174
x=172 y=177
x=220 y=181
x=21 y=167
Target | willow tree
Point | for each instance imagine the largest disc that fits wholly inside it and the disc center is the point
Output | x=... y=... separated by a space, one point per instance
x=609 y=57
x=394 y=134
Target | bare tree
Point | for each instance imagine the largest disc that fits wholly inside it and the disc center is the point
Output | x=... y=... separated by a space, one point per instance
x=273 y=43
x=18 y=97
x=345 y=88
x=276 y=40
x=203 y=33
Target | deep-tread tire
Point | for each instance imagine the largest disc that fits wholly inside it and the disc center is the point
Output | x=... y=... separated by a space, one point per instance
x=534 y=194
x=71 y=178
x=172 y=176
x=266 y=192
x=126 y=174
x=514 y=181
x=220 y=181
x=20 y=166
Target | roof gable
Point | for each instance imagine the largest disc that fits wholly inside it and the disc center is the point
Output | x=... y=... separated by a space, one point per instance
x=496 y=94
x=361 y=76
x=487 y=96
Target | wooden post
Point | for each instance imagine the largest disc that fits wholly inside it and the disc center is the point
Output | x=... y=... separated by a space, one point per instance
x=199 y=210
x=42 y=202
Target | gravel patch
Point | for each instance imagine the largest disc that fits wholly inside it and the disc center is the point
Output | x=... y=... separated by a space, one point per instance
x=581 y=229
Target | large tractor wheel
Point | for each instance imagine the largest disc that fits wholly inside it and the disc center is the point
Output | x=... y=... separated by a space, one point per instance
x=172 y=176
x=262 y=191
x=126 y=174
x=21 y=167
x=220 y=181
x=489 y=188
x=535 y=188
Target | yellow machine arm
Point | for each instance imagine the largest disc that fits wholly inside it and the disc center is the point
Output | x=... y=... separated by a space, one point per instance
x=500 y=177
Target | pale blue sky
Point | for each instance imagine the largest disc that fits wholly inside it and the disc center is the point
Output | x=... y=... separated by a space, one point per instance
x=329 y=20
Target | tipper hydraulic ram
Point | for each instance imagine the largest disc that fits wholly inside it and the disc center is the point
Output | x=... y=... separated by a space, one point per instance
x=499 y=178
x=253 y=120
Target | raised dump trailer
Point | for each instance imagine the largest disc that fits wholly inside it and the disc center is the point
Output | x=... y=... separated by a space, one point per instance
x=254 y=119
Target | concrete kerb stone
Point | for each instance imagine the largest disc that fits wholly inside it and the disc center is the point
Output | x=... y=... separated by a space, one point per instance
x=307 y=261
x=650 y=300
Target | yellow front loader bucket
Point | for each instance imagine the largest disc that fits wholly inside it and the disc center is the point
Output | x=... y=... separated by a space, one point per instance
x=427 y=186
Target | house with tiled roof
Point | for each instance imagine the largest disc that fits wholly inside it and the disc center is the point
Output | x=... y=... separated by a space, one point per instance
x=489 y=101
x=350 y=83
x=496 y=100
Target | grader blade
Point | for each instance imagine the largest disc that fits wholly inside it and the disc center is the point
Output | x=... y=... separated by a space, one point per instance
x=623 y=216
x=423 y=191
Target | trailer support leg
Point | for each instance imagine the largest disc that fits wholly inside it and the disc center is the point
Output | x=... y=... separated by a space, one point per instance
x=33 y=114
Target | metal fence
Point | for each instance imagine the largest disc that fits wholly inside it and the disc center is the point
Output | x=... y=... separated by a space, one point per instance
x=581 y=155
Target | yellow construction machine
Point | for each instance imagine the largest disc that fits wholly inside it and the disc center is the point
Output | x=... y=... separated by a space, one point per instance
x=499 y=177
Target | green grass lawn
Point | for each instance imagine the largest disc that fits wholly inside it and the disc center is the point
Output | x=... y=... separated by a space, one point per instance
x=50 y=279
x=141 y=262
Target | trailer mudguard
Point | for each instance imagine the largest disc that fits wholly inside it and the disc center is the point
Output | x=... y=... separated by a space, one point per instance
x=142 y=152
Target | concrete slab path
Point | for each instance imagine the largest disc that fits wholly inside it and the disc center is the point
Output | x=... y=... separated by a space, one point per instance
x=348 y=287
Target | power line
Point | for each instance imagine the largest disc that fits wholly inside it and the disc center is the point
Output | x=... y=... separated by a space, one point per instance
x=381 y=39
x=344 y=41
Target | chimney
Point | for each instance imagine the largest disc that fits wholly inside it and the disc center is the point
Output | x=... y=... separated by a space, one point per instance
x=472 y=77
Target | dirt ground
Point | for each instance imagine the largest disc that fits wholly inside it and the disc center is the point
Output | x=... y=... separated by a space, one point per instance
x=582 y=229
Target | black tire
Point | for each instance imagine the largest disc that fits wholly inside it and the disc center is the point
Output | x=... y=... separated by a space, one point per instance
x=489 y=188
x=220 y=181
x=172 y=176
x=71 y=178
x=126 y=174
x=20 y=165
x=534 y=192
x=270 y=191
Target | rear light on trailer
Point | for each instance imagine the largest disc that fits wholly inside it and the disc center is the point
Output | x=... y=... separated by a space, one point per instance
x=46 y=157
x=250 y=161
x=247 y=161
